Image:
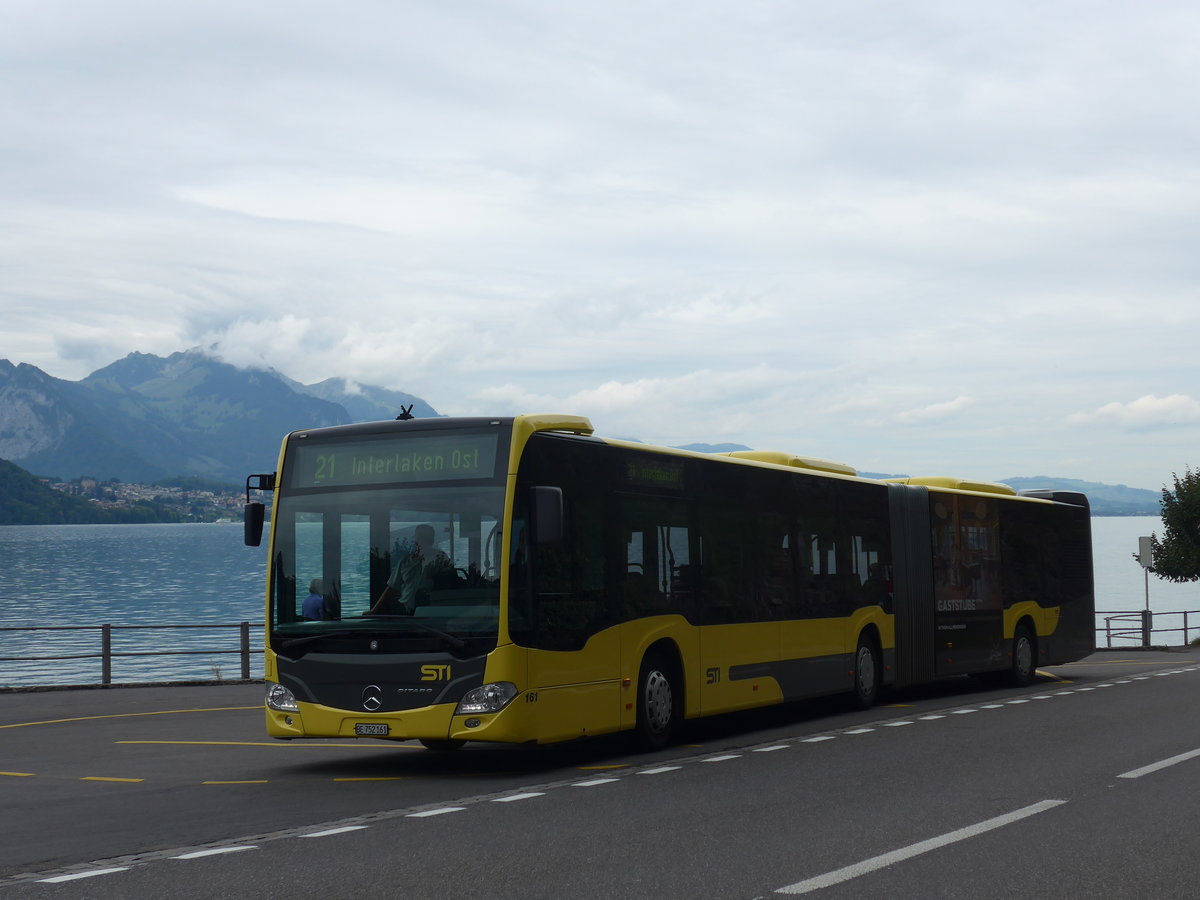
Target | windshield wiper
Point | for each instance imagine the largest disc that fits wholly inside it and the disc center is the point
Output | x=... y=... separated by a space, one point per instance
x=456 y=642
x=309 y=638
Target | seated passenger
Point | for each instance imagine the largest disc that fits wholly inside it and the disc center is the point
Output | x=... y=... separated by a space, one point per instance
x=313 y=607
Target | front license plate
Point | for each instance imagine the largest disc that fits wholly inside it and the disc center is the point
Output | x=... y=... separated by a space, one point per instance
x=374 y=729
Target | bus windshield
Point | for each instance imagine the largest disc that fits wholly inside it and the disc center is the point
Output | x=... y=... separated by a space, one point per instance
x=420 y=561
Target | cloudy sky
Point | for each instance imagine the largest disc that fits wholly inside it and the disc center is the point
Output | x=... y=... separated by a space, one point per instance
x=934 y=237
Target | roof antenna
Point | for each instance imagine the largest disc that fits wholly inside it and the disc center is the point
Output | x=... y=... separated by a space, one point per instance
x=405 y=413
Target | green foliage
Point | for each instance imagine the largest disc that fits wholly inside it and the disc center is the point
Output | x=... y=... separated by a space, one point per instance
x=1177 y=554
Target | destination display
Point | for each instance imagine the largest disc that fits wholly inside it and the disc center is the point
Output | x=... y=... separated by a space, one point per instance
x=654 y=473
x=441 y=457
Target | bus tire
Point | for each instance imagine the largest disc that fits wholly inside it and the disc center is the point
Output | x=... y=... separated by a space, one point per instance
x=1024 y=656
x=657 y=703
x=868 y=671
x=441 y=744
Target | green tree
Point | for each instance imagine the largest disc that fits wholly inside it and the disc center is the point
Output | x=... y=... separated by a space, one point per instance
x=1177 y=554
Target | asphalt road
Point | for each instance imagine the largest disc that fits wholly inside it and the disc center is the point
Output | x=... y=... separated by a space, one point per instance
x=1080 y=786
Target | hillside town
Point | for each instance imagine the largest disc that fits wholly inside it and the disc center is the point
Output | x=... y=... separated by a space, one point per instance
x=184 y=504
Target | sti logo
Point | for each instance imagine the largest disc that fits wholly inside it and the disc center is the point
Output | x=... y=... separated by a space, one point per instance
x=435 y=673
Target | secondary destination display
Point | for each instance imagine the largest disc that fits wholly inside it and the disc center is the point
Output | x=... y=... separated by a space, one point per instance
x=408 y=459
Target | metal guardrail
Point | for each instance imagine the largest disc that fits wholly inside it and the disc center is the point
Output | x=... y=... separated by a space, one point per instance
x=1114 y=628
x=106 y=654
x=1136 y=628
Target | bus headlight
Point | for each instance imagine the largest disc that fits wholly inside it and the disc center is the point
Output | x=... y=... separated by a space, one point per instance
x=281 y=699
x=489 y=698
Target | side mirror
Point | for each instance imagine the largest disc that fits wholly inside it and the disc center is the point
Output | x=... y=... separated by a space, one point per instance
x=547 y=514
x=254 y=515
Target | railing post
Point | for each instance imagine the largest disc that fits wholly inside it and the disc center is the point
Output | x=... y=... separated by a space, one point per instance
x=245 y=651
x=106 y=654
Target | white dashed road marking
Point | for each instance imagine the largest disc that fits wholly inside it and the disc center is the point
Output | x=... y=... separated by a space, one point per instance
x=214 y=851
x=59 y=879
x=1154 y=767
x=329 y=832
x=887 y=859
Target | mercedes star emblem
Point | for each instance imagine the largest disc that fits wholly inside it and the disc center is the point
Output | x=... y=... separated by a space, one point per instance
x=372 y=697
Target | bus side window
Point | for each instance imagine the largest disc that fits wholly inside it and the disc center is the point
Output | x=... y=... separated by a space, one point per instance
x=655 y=573
x=867 y=538
x=819 y=592
x=729 y=591
x=636 y=587
x=822 y=563
x=777 y=578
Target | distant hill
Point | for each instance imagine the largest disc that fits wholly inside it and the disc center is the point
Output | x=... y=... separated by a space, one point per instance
x=713 y=448
x=1105 y=499
x=145 y=418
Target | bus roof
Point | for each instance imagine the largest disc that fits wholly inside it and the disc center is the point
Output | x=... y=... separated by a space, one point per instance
x=779 y=458
x=957 y=484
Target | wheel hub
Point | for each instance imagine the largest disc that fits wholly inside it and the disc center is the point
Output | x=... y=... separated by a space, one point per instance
x=658 y=700
x=866 y=671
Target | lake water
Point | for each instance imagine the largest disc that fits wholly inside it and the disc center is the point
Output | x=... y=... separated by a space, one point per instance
x=72 y=575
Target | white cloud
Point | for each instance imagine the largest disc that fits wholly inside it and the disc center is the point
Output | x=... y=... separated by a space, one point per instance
x=1145 y=412
x=934 y=412
x=787 y=225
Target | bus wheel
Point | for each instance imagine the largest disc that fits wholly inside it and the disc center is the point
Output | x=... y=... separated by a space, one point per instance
x=867 y=670
x=1024 y=656
x=657 y=703
x=441 y=744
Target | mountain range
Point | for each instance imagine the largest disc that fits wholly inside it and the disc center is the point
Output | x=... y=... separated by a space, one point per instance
x=146 y=418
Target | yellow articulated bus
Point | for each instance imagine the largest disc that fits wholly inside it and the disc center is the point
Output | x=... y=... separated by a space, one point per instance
x=521 y=580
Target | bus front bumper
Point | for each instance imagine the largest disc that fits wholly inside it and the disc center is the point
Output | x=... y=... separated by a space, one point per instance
x=515 y=723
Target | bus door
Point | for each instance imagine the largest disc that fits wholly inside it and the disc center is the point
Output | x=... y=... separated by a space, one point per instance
x=745 y=577
x=814 y=633
x=559 y=611
x=655 y=581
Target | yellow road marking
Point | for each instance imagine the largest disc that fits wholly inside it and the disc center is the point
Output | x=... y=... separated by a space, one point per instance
x=261 y=781
x=1055 y=677
x=165 y=712
x=125 y=780
x=380 y=778
x=280 y=744
x=617 y=766
x=18 y=774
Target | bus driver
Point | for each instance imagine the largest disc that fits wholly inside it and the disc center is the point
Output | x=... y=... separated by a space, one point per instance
x=414 y=576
